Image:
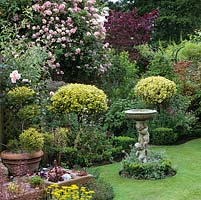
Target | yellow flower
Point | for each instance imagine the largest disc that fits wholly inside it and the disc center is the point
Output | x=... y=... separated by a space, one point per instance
x=72 y=192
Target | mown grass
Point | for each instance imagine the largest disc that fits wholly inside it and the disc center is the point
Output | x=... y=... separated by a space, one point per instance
x=185 y=185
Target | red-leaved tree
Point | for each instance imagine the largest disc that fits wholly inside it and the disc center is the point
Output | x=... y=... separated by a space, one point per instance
x=127 y=29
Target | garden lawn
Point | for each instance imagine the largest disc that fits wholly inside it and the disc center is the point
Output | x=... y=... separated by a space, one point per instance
x=185 y=185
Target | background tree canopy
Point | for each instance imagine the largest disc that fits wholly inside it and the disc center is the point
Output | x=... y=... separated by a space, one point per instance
x=177 y=18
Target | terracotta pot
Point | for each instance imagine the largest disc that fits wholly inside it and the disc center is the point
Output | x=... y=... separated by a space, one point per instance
x=20 y=164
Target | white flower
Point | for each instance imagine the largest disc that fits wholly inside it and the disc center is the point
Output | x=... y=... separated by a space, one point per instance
x=51 y=93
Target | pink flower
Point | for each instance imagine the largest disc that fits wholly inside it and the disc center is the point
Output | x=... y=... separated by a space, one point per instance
x=58 y=30
x=76 y=9
x=34 y=36
x=57 y=65
x=91 y=1
x=96 y=34
x=69 y=20
x=94 y=22
x=36 y=7
x=46 y=29
x=61 y=7
x=47 y=4
x=49 y=53
x=41 y=31
x=63 y=39
x=49 y=37
x=48 y=12
x=58 y=40
x=88 y=34
x=15 y=76
x=77 y=51
x=106 y=45
x=73 y=30
x=34 y=28
x=56 y=10
x=44 y=21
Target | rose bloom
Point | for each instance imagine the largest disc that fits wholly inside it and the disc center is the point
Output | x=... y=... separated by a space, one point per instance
x=61 y=7
x=47 y=4
x=36 y=7
x=73 y=30
x=96 y=34
x=48 y=12
x=44 y=21
x=57 y=65
x=46 y=29
x=88 y=34
x=15 y=76
x=56 y=10
x=91 y=1
x=77 y=51
x=106 y=45
x=34 y=36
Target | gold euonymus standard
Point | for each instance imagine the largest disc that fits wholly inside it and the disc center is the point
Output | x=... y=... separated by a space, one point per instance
x=155 y=89
x=79 y=98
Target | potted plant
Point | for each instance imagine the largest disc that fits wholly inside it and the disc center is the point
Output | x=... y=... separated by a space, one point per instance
x=24 y=155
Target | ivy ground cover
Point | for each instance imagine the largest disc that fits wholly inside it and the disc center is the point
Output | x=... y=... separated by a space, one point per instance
x=185 y=185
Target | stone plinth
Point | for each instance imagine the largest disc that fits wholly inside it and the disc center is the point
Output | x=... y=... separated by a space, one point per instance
x=76 y=179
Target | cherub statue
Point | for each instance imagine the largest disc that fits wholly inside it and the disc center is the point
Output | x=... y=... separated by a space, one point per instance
x=141 y=153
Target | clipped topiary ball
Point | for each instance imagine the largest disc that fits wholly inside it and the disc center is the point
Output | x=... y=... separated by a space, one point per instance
x=20 y=95
x=79 y=98
x=155 y=89
x=31 y=140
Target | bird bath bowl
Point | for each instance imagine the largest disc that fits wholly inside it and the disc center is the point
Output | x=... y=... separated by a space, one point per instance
x=140 y=114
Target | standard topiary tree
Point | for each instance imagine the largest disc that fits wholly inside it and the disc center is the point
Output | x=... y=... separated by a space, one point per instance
x=155 y=89
x=80 y=99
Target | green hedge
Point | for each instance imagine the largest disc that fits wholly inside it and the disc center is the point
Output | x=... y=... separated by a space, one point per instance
x=124 y=141
x=162 y=135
